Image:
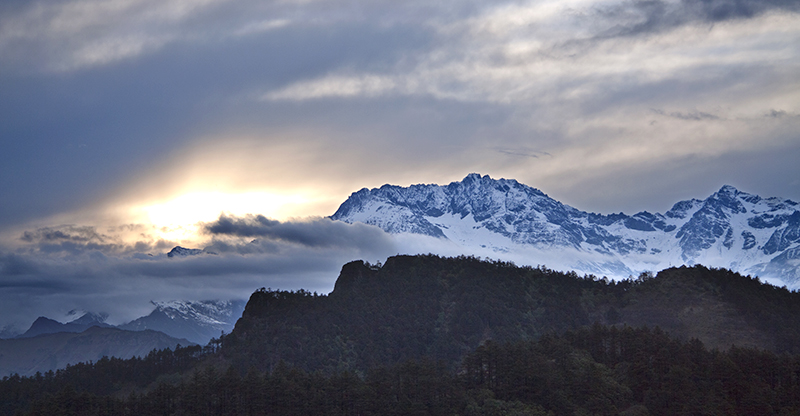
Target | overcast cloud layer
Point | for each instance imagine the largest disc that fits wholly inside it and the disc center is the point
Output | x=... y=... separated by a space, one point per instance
x=111 y=108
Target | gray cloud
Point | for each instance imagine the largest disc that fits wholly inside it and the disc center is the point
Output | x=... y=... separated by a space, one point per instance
x=83 y=235
x=77 y=240
x=32 y=286
x=16 y=265
x=523 y=152
x=641 y=17
x=65 y=268
x=780 y=114
x=690 y=115
x=319 y=232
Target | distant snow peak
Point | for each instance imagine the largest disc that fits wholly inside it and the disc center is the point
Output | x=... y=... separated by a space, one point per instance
x=197 y=321
x=82 y=317
x=88 y=318
x=179 y=251
x=730 y=228
x=205 y=312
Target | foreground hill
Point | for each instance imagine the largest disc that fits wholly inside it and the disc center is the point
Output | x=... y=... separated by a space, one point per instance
x=42 y=353
x=730 y=228
x=423 y=335
x=441 y=308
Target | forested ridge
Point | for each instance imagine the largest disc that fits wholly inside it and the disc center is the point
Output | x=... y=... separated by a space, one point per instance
x=431 y=335
x=442 y=308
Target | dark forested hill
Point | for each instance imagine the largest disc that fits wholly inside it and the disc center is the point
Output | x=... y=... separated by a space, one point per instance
x=442 y=308
x=424 y=335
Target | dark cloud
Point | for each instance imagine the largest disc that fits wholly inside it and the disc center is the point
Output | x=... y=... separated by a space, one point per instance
x=16 y=265
x=33 y=285
x=76 y=240
x=690 y=115
x=653 y=16
x=780 y=114
x=315 y=233
x=78 y=234
x=65 y=268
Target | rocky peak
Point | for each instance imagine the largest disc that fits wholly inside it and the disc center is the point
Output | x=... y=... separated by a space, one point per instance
x=179 y=251
x=721 y=230
x=90 y=318
x=727 y=198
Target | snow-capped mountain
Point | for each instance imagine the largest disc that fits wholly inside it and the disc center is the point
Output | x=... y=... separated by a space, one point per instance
x=179 y=251
x=197 y=321
x=730 y=228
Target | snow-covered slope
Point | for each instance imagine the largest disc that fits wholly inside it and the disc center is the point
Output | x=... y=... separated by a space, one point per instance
x=179 y=251
x=197 y=321
x=732 y=229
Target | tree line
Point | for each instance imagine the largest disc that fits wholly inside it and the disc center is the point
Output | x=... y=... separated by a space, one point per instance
x=432 y=335
x=598 y=370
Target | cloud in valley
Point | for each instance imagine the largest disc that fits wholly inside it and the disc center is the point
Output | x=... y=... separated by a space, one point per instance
x=66 y=268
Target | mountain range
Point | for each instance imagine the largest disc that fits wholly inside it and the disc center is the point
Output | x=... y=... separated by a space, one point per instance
x=196 y=321
x=44 y=325
x=49 y=344
x=730 y=228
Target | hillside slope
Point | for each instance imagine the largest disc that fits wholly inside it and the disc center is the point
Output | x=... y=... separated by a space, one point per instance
x=441 y=308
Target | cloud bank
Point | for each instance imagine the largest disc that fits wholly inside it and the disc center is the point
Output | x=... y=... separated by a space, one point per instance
x=59 y=269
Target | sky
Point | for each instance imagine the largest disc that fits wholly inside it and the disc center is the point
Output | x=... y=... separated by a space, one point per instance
x=131 y=126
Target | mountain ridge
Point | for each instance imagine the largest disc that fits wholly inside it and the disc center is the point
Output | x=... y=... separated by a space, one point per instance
x=426 y=306
x=44 y=325
x=730 y=228
x=197 y=321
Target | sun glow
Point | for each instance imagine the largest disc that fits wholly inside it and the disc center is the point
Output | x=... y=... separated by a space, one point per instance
x=178 y=218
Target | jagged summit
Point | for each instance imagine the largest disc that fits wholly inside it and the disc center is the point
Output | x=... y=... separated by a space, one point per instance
x=197 y=321
x=183 y=252
x=730 y=228
x=44 y=325
x=179 y=251
x=90 y=318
